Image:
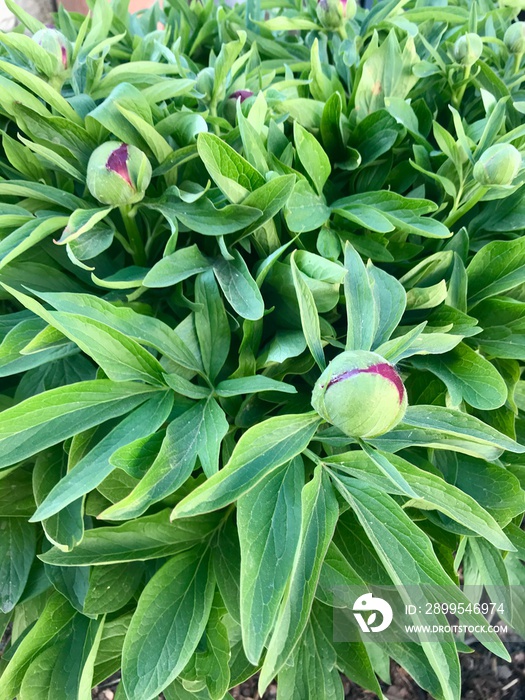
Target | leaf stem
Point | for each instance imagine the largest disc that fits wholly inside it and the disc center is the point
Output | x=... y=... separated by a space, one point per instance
x=134 y=236
x=467 y=206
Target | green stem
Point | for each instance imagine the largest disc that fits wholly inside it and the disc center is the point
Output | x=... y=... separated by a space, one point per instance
x=517 y=62
x=459 y=95
x=134 y=237
x=456 y=215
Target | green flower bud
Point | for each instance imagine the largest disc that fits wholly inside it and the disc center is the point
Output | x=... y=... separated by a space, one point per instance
x=361 y=394
x=498 y=165
x=467 y=49
x=515 y=38
x=330 y=14
x=118 y=174
x=55 y=43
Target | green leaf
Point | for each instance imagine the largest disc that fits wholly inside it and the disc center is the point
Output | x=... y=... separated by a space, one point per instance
x=433 y=491
x=447 y=429
x=309 y=315
x=150 y=537
x=498 y=267
x=27 y=236
x=390 y=302
x=239 y=287
x=172 y=467
x=211 y=325
x=404 y=213
x=119 y=356
x=269 y=522
x=305 y=211
x=167 y=626
x=92 y=469
x=56 y=615
x=66 y=528
x=214 y=428
x=231 y=172
x=178 y=266
x=469 y=377
x=251 y=385
x=46 y=419
x=360 y=304
x=17 y=549
x=313 y=159
x=111 y=587
x=260 y=450
x=319 y=517
x=205 y=218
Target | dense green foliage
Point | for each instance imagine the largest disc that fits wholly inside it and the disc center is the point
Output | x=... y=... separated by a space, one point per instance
x=201 y=207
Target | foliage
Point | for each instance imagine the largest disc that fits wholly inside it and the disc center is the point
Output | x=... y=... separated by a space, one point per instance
x=293 y=184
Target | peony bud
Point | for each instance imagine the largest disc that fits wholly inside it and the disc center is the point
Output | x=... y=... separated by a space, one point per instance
x=118 y=174
x=331 y=14
x=241 y=94
x=498 y=165
x=515 y=38
x=55 y=43
x=361 y=394
x=467 y=49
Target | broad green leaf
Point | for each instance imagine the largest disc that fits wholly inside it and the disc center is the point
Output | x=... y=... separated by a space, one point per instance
x=49 y=418
x=269 y=522
x=178 y=266
x=447 y=429
x=361 y=308
x=239 y=287
x=211 y=325
x=230 y=171
x=493 y=574
x=171 y=468
x=95 y=466
x=17 y=549
x=309 y=315
x=144 y=329
x=214 y=428
x=433 y=491
x=318 y=520
x=56 y=616
x=469 y=377
x=150 y=537
x=66 y=528
x=498 y=267
x=390 y=302
x=109 y=651
x=27 y=236
x=205 y=218
x=251 y=385
x=260 y=450
x=119 y=356
x=407 y=554
x=111 y=587
x=167 y=625
x=312 y=156
x=305 y=210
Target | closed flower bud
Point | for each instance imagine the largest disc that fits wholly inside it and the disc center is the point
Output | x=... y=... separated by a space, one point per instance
x=55 y=43
x=361 y=394
x=241 y=94
x=498 y=165
x=515 y=38
x=467 y=49
x=331 y=14
x=118 y=174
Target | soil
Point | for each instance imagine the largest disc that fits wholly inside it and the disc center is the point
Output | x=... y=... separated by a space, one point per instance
x=485 y=677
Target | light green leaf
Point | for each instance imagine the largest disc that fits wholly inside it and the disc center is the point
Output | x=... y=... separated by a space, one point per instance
x=239 y=287
x=312 y=156
x=167 y=625
x=319 y=517
x=269 y=523
x=260 y=450
x=361 y=309
x=309 y=316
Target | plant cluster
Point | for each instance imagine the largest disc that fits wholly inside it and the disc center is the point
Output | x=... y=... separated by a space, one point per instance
x=262 y=330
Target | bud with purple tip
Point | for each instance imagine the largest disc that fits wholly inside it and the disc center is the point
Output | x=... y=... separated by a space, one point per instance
x=333 y=13
x=241 y=94
x=361 y=394
x=118 y=174
x=55 y=43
